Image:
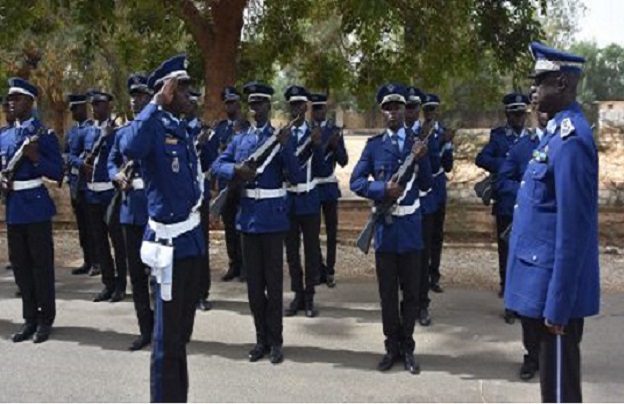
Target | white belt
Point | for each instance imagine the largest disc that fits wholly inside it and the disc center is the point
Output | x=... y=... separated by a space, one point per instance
x=138 y=183
x=170 y=231
x=100 y=186
x=422 y=194
x=74 y=171
x=302 y=188
x=327 y=180
x=29 y=184
x=440 y=171
x=260 y=193
x=403 y=210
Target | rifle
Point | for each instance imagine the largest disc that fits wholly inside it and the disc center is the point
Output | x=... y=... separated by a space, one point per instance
x=256 y=159
x=506 y=234
x=115 y=203
x=89 y=157
x=6 y=175
x=337 y=127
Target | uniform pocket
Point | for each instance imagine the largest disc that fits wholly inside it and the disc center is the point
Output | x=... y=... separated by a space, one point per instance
x=538 y=175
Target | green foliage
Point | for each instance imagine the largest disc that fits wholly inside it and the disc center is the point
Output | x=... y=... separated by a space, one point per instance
x=603 y=80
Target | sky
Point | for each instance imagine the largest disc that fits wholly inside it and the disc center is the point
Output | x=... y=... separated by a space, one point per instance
x=602 y=22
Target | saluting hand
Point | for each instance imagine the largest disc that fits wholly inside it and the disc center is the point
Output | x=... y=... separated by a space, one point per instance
x=167 y=93
x=419 y=149
x=394 y=190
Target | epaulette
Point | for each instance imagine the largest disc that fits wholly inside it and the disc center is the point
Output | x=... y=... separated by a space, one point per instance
x=567 y=128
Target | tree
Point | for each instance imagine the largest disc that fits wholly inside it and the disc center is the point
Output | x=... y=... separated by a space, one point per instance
x=602 y=78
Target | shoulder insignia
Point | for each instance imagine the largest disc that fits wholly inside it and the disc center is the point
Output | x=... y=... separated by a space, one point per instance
x=566 y=128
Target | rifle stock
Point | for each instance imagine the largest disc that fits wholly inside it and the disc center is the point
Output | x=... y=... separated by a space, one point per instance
x=216 y=207
x=365 y=238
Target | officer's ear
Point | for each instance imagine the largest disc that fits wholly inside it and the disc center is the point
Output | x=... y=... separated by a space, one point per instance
x=562 y=83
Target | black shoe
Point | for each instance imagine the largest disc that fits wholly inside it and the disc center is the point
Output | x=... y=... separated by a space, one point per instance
x=509 y=316
x=18 y=293
x=229 y=275
x=411 y=364
x=424 y=318
x=139 y=343
x=104 y=295
x=26 y=332
x=310 y=311
x=95 y=271
x=42 y=334
x=528 y=369
x=277 y=354
x=258 y=352
x=84 y=269
x=204 y=305
x=331 y=281
x=387 y=361
x=118 y=295
x=294 y=307
x=436 y=288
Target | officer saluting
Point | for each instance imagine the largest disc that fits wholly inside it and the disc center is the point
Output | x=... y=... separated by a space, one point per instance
x=263 y=216
x=133 y=214
x=76 y=181
x=398 y=238
x=174 y=243
x=225 y=132
x=553 y=268
x=491 y=159
x=30 y=152
x=335 y=152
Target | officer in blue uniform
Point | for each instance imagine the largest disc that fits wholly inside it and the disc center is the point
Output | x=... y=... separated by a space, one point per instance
x=225 y=131
x=77 y=182
x=263 y=218
x=428 y=201
x=491 y=158
x=444 y=138
x=207 y=145
x=90 y=156
x=305 y=206
x=553 y=267
x=398 y=238
x=174 y=244
x=9 y=118
x=29 y=209
x=509 y=179
x=335 y=152
x=126 y=175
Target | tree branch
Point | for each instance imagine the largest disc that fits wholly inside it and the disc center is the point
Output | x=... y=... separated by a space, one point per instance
x=201 y=28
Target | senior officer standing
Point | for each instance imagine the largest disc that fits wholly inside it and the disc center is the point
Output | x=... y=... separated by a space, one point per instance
x=334 y=153
x=398 y=238
x=29 y=209
x=553 y=267
x=262 y=218
x=133 y=214
x=174 y=243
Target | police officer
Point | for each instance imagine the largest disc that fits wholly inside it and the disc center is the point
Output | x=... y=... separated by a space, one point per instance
x=9 y=119
x=398 y=239
x=207 y=145
x=335 y=152
x=77 y=182
x=126 y=174
x=444 y=137
x=428 y=203
x=491 y=159
x=305 y=206
x=29 y=209
x=263 y=217
x=226 y=130
x=509 y=178
x=553 y=267
x=90 y=155
x=174 y=243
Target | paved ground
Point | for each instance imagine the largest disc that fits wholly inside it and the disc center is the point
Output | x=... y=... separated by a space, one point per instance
x=469 y=354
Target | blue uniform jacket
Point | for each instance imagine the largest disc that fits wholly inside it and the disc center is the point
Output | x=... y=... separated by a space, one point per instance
x=380 y=160
x=330 y=191
x=134 y=202
x=268 y=215
x=224 y=132
x=553 y=268
x=170 y=169
x=76 y=180
x=491 y=159
x=512 y=170
x=31 y=205
x=208 y=153
x=86 y=142
x=428 y=199
x=310 y=158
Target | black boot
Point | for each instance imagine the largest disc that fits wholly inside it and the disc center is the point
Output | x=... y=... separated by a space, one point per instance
x=294 y=306
x=26 y=332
